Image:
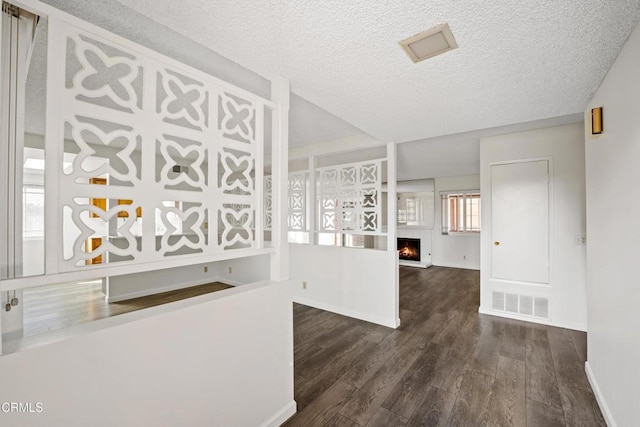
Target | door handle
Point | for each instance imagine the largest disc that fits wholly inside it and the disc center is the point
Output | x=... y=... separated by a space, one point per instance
x=496 y=243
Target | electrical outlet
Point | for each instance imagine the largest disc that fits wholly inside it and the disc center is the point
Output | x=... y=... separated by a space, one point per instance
x=580 y=240
x=304 y=285
x=206 y=269
x=230 y=270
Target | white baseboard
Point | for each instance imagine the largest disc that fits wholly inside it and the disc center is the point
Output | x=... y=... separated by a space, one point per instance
x=281 y=416
x=389 y=323
x=548 y=322
x=606 y=413
x=460 y=266
x=175 y=287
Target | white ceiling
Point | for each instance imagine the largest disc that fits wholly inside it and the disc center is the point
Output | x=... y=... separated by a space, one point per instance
x=517 y=63
x=518 y=60
x=309 y=124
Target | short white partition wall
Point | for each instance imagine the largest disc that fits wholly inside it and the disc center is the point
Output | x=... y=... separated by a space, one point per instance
x=215 y=361
x=360 y=283
x=347 y=199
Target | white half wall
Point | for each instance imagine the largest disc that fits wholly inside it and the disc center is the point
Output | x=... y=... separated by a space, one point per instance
x=613 y=334
x=360 y=283
x=458 y=251
x=151 y=368
x=566 y=291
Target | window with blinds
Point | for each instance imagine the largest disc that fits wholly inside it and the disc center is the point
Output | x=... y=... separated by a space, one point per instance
x=460 y=212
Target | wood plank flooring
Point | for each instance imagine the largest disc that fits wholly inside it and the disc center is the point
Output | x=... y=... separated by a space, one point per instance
x=446 y=365
x=50 y=308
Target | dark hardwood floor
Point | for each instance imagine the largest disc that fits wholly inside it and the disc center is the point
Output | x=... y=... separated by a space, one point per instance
x=446 y=365
x=50 y=308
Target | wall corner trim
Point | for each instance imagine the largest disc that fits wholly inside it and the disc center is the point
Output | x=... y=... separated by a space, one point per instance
x=606 y=412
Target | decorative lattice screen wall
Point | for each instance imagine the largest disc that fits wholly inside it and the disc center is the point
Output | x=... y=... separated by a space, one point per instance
x=349 y=198
x=167 y=161
x=296 y=201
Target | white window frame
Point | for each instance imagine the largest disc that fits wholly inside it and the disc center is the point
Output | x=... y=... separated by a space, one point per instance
x=463 y=229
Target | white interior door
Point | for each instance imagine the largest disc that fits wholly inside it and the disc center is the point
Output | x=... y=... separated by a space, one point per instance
x=520 y=221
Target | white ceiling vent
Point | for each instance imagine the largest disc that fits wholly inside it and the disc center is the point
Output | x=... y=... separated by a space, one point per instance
x=429 y=43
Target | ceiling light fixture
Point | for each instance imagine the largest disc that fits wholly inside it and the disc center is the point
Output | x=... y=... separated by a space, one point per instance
x=429 y=43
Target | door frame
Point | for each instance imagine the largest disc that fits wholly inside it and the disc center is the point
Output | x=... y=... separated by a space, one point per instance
x=490 y=278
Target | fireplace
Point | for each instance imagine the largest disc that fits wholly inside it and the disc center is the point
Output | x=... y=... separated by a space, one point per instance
x=409 y=249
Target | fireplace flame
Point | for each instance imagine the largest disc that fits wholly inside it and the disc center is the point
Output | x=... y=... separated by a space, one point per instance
x=410 y=250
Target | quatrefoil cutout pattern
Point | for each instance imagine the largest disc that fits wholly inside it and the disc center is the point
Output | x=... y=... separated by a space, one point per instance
x=268 y=220
x=268 y=202
x=369 y=221
x=349 y=200
x=329 y=202
x=236 y=226
x=196 y=216
x=369 y=198
x=369 y=174
x=297 y=217
x=103 y=75
x=350 y=193
x=329 y=178
x=236 y=175
x=329 y=221
x=193 y=155
x=297 y=182
x=349 y=220
x=296 y=201
x=237 y=119
x=83 y=132
x=348 y=176
x=144 y=114
x=183 y=101
x=86 y=217
x=296 y=221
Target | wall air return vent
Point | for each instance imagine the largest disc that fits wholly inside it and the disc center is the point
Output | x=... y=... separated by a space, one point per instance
x=429 y=43
x=520 y=304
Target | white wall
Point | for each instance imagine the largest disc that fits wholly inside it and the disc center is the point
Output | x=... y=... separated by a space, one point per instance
x=360 y=283
x=243 y=270
x=459 y=251
x=567 y=290
x=151 y=367
x=613 y=250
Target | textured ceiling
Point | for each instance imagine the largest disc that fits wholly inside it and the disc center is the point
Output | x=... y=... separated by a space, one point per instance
x=518 y=60
x=309 y=124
